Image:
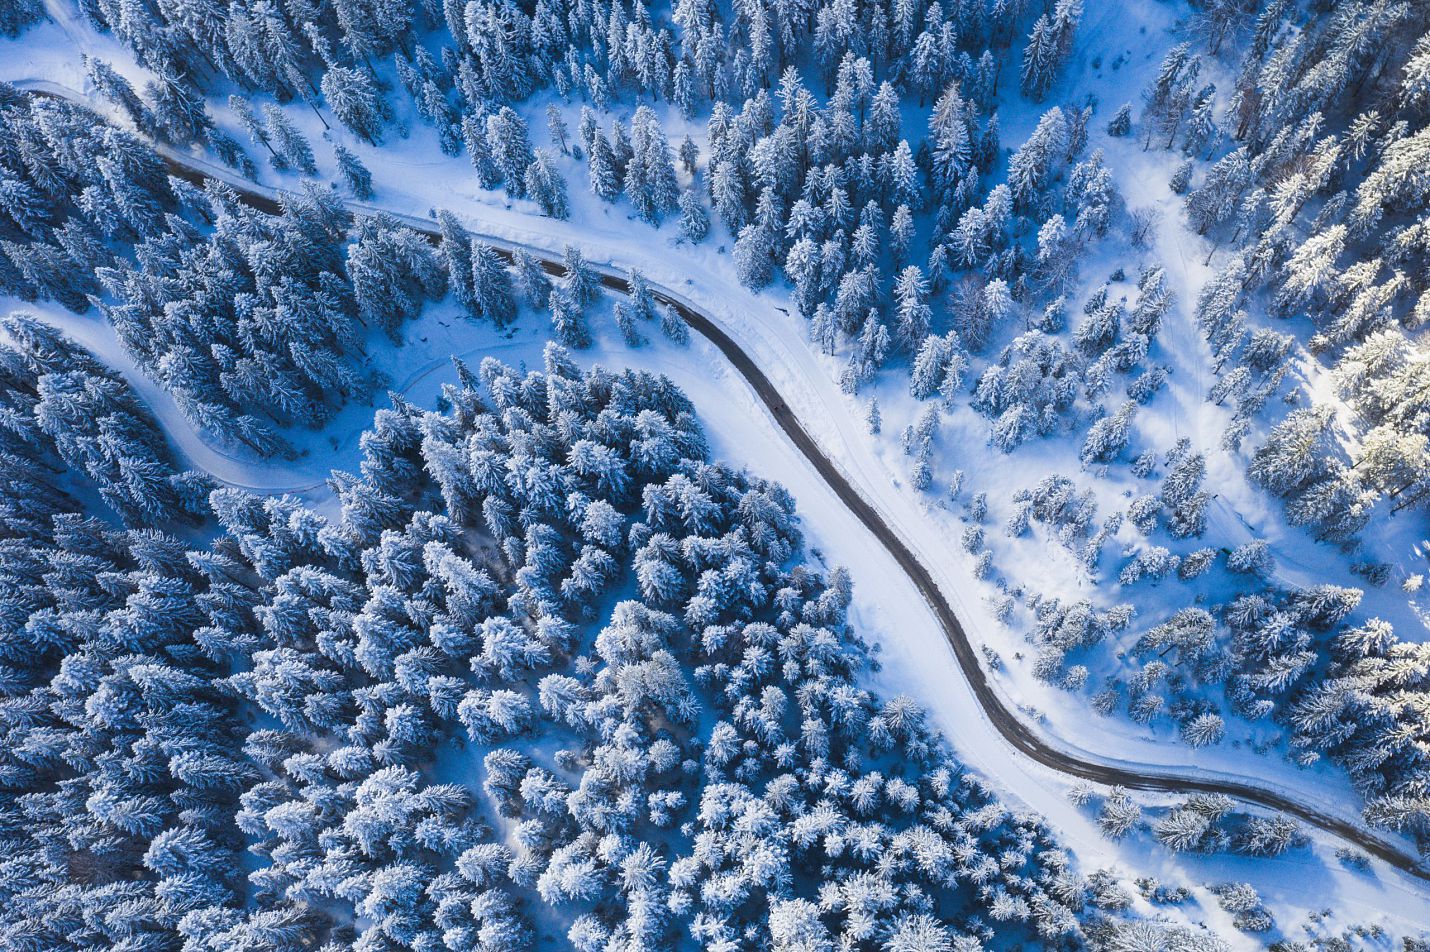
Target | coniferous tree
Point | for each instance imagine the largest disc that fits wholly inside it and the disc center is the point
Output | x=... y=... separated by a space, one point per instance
x=673 y=326
x=694 y=220
x=491 y=285
x=753 y=252
x=16 y=15
x=354 y=173
x=912 y=313
x=392 y=270
x=1121 y=122
x=257 y=133
x=1048 y=45
x=556 y=129
x=531 y=279
x=650 y=181
x=353 y=96
x=546 y=186
x=581 y=281
x=510 y=149
x=568 y=323
x=290 y=144
x=604 y=176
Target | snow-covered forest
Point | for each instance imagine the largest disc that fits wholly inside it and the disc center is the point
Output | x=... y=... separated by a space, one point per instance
x=802 y=475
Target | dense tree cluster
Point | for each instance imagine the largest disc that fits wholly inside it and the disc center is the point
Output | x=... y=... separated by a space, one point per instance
x=1350 y=691
x=1062 y=629
x=1037 y=384
x=63 y=404
x=16 y=15
x=251 y=321
x=1203 y=823
x=121 y=745
x=496 y=54
x=548 y=579
x=1318 y=209
x=493 y=55
x=789 y=188
x=1368 y=713
x=1342 y=687
x=817 y=189
x=1317 y=204
x=716 y=748
x=261 y=322
x=721 y=771
x=831 y=192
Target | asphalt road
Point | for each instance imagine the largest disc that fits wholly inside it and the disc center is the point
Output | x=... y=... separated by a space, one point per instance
x=1013 y=729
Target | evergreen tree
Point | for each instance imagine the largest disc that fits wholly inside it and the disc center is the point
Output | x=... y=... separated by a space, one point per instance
x=1121 y=123
x=650 y=181
x=568 y=323
x=16 y=15
x=531 y=279
x=694 y=221
x=1108 y=436
x=353 y=96
x=581 y=281
x=604 y=176
x=556 y=129
x=510 y=149
x=626 y=323
x=491 y=285
x=354 y=173
x=290 y=144
x=392 y=270
x=673 y=326
x=689 y=155
x=546 y=186
x=912 y=313
x=1048 y=45
x=754 y=256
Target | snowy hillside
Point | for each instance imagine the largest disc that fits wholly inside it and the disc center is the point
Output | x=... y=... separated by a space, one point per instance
x=596 y=474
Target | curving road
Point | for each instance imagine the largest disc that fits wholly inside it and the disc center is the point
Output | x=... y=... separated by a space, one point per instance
x=1013 y=729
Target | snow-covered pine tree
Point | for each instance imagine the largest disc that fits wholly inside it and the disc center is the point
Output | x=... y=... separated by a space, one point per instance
x=491 y=285
x=568 y=322
x=354 y=173
x=355 y=99
x=650 y=181
x=581 y=282
x=694 y=220
x=287 y=141
x=546 y=186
